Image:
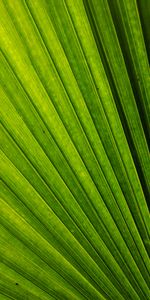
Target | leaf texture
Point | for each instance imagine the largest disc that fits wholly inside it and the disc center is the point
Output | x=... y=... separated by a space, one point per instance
x=75 y=163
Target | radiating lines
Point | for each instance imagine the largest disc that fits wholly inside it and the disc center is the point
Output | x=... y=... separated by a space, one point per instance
x=74 y=220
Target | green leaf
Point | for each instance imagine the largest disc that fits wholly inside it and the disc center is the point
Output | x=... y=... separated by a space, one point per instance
x=75 y=163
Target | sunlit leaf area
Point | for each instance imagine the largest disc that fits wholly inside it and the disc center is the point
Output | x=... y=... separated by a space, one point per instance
x=74 y=157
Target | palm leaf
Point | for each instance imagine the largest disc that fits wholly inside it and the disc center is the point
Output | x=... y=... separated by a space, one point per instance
x=75 y=164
